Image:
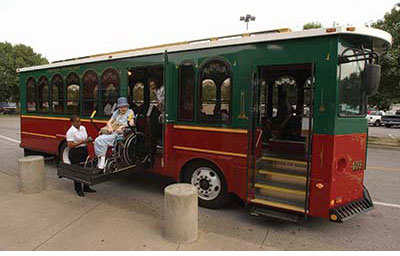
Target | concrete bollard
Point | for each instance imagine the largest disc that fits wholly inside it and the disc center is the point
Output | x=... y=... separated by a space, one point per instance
x=31 y=174
x=180 y=213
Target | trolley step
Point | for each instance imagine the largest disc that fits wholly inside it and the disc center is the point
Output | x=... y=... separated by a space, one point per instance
x=284 y=188
x=282 y=177
x=282 y=164
x=276 y=214
x=280 y=204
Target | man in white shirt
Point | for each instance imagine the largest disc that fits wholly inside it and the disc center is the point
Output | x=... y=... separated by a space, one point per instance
x=158 y=88
x=77 y=140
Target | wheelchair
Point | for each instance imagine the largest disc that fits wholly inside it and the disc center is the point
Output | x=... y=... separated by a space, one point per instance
x=128 y=151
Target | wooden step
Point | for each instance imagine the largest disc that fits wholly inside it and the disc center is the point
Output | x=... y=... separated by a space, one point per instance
x=278 y=204
x=284 y=160
x=281 y=165
x=284 y=188
x=282 y=173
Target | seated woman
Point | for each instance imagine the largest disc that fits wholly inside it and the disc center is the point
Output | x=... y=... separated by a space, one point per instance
x=115 y=126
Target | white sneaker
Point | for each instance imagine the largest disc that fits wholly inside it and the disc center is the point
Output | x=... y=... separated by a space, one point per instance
x=102 y=162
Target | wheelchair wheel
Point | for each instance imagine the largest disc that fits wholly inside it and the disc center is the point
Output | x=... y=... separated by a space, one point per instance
x=135 y=151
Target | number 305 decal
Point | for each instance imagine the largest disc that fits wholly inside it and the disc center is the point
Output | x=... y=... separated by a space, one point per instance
x=357 y=165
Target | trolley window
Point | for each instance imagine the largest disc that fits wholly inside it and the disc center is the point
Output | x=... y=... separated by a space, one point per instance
x=90 y=92
x=351 y=93
x=31 y=95
x=43 y=95
x=57 y=88
x=73 y=92
x=215 y=92
x=109 y=90
x=186 y=91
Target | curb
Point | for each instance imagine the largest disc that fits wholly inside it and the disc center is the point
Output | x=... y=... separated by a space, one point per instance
x=383 y=146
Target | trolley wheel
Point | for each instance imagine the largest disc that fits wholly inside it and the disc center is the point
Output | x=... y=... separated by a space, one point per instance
x=210 y=183
x=63 y=154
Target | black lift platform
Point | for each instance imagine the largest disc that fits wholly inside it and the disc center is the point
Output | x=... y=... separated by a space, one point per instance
x=88 y=176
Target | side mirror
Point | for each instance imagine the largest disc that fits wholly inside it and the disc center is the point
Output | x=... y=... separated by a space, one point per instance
x=93 y=114
x=372 y=78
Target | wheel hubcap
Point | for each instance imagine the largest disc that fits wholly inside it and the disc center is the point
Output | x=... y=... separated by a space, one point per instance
x=207 y=182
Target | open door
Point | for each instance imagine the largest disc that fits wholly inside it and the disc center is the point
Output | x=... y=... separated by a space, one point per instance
x=284 y=99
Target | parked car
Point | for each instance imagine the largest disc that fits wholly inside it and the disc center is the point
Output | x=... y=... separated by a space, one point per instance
x=8 y=107
x=391 y=120
x=375 y=117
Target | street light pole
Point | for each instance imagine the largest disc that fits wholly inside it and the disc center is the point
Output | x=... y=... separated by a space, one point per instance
x=247 y=19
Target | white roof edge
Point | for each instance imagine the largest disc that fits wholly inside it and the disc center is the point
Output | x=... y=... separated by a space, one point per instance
x=376 y=33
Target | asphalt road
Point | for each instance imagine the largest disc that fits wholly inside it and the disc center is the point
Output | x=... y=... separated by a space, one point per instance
x=383 y=132
x=143 y=194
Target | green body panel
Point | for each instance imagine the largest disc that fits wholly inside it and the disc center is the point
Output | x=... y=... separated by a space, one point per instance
x=321 y=51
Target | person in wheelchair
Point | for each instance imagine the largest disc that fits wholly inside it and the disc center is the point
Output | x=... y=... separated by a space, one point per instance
x=114 y=130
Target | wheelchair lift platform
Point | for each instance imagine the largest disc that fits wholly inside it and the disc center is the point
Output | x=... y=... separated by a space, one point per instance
x=88 y=176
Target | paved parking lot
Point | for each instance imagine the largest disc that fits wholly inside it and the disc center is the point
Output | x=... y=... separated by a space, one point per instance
x=126 y=214
x=383 y=132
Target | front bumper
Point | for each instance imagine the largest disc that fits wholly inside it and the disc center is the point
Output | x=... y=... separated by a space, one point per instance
x=348 y=211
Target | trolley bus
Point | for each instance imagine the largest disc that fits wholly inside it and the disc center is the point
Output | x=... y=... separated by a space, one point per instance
x=276 y=118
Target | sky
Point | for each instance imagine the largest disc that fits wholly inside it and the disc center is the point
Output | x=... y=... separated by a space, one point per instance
x=62 y=29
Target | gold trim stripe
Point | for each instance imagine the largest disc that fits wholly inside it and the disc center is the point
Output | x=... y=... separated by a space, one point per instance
x=287 y=190
x=46 y=117
x=61 y=118
x=210 y=129
x=278 y=205
x=210 y=151
x=39 y=134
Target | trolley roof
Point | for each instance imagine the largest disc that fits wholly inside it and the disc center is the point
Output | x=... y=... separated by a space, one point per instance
x=381 y=40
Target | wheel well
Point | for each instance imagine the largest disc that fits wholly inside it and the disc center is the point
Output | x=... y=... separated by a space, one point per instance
x=60 y=145
x=194 y=161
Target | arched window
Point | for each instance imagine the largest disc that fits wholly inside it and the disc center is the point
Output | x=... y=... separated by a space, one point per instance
x=90 y=92
x=109 y=89
x=73 y=92
x=31 y=95
x=215 y=92
x=186 y=91
x=57 y=85
x=43 y=99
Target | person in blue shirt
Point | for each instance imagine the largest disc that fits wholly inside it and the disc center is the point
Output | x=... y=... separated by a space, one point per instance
x=115 y=126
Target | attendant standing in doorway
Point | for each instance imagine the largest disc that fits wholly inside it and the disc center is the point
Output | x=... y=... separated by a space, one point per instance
x=159 y=90
x=77 y=140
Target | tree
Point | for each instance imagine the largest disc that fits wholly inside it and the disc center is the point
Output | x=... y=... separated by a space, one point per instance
x=312 y=25
x=13 y=57
x=389 y=90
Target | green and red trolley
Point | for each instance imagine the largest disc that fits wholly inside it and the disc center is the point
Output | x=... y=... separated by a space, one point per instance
x=276 y=118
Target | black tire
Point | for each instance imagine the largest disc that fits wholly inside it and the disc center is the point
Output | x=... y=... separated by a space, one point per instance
x=377 y=123
x=28 y=152
x=222 y=197
x=388 y=125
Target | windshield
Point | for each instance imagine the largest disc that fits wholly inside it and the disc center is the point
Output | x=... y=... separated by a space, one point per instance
x=351 y=93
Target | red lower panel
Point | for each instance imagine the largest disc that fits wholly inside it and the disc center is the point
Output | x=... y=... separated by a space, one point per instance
x=201 y=144
x=337 y=171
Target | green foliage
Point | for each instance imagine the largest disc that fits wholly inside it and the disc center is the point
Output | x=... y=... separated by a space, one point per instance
x=13 y=57
x=389 y=90
x=312 y=25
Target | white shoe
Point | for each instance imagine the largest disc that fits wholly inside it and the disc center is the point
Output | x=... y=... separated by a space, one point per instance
x=102 y=162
